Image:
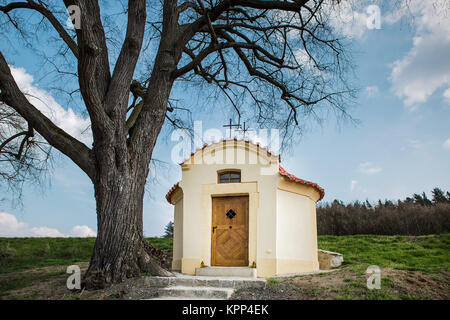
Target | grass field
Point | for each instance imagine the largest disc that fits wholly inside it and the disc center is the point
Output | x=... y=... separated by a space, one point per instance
x=429 y=253
x=17 y=254
x=413 y=268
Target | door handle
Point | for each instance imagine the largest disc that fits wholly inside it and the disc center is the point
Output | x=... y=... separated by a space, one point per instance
x=214 y=228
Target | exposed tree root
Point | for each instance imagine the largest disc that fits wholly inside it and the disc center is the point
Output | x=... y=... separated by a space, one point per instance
x=146 y=259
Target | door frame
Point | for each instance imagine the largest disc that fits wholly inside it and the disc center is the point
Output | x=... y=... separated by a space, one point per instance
x=224 y=190
x=213 y=242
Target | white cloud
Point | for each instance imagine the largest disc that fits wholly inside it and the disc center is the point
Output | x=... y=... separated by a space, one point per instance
x=43 y=232
x=353 y=185
x=348 y=18
x=305 y=60
x=369 y=168
x=82 y=232
x=447 y=144
x=67 y=120
x=11 y=227
x=372 y=91
x=425 y=69
x=446 y=95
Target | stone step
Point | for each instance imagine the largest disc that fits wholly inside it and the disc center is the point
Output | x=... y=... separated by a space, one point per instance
x=204 y=281
x=185 y=292
x=244 y=272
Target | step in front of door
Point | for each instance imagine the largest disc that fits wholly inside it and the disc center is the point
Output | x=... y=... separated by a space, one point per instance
x=205 y=281
x=183 y=292
x=243 y=272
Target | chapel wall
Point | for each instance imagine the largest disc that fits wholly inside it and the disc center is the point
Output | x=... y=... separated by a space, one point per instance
x=200 y=174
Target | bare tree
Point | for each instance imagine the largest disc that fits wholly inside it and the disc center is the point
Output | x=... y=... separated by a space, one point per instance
x=278 y=58
x=24 y=155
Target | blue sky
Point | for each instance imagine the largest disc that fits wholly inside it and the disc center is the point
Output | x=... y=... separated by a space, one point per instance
x=400 y=146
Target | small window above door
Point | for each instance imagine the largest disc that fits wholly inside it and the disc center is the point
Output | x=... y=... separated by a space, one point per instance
x=229 y=176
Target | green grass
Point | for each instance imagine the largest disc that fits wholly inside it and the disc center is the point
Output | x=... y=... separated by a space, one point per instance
x=161 y=243
x=424 y=253
x=17 y=254
x=272 y=281
x=14 y=284
x=429 y=253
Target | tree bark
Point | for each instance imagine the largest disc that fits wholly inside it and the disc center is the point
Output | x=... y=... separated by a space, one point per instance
x=122 y=167
x=120 y=250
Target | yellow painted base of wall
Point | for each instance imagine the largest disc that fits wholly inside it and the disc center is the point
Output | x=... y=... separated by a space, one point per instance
x=188 y=265
x=266 y=268
x=287 y=266
x=176 y=265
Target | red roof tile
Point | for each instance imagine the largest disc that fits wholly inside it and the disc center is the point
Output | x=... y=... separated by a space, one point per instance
x=171 y=191
x=281 y=171
x=291 y=177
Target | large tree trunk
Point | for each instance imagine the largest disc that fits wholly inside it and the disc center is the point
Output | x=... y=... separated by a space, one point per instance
x=122 y=164
x=120 y=251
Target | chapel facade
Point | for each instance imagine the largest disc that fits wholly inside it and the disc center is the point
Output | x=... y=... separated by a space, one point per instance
x=235 y=206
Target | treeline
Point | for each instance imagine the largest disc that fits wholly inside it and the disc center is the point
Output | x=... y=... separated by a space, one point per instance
x=416 y=215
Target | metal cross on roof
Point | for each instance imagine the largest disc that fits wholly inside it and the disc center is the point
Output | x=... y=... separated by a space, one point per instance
x=244 y=130
x=231 y=126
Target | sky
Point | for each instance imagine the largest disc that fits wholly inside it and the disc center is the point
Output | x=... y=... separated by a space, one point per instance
x=399 y=146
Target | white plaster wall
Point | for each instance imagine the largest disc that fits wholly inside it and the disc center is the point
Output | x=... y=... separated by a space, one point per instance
x=295 y=233
x=192 y=219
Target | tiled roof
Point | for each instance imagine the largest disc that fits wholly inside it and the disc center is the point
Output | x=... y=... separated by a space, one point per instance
x=171 y=191
x=281 y=171
x=291 y=177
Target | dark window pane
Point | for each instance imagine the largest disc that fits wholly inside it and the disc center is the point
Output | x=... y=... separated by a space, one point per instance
x=230 y=177
x=224 y=176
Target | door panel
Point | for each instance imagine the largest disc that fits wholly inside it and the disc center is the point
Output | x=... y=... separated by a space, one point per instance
x=229 y=243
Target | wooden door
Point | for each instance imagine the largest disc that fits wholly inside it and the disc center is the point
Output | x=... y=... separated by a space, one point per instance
x=229 y=243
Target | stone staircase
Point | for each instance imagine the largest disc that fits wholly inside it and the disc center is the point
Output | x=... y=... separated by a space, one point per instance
x=213 y=283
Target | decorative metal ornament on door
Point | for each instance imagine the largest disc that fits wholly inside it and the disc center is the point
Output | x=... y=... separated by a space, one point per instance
x=230 y=214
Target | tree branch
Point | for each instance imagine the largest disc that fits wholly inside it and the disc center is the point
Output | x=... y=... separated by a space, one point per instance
x=214 y=13
x=58 y=138
x=15 y=136
x=93 y=64
x=205 y=52
x=49 y=16
x=187 y=5
x=129 y=54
